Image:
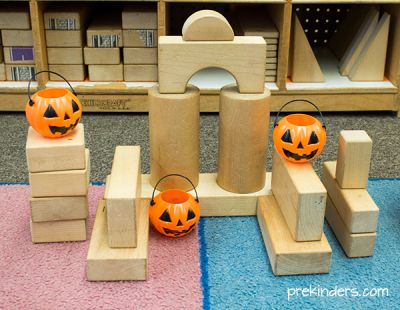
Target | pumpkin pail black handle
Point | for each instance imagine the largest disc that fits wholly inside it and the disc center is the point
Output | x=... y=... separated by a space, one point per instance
x=152 y=202
x=31 y=102
x=300 y=100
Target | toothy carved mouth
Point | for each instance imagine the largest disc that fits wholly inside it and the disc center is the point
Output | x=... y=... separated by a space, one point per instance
x=299 y=157
x=178 y=233
x=63 y=129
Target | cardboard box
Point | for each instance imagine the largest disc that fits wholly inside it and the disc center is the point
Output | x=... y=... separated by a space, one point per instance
x=65 y=55
x=106 y=72
x=61 y=38
x=140 y=38
x=14 y=16
x=140 y=56
x=70 y=72
x=19 y=55
x=66 y=17
x=139 y=16
x=105 y=32
x=17 y=37
x=20 y=72
x=102 y=56
x=141 y=73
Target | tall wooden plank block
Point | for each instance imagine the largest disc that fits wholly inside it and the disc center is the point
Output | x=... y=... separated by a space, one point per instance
x=123 y=197
x=355 y=206
x=301 y=197
x=354 y=158
x=354 y=245
x=288 y=257
x=115 y=264
x=58 y=231
x=139 y=16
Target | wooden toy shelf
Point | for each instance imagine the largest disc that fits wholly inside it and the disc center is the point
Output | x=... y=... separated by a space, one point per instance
x=337 y=93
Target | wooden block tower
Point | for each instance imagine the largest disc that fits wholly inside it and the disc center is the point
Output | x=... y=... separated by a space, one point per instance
x=350 y=211
x=59 y=177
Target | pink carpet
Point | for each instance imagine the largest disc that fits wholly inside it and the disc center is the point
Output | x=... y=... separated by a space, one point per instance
x=52 y=276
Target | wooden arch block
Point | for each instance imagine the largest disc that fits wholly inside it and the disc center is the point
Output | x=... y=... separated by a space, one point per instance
x=207 y=25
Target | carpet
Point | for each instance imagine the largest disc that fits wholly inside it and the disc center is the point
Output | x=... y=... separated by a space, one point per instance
x=223 y=265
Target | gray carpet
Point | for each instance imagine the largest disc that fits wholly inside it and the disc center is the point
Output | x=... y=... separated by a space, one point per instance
x=105 y=131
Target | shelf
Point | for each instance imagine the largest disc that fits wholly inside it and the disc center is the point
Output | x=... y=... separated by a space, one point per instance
x=227 y=1
x=343 y=1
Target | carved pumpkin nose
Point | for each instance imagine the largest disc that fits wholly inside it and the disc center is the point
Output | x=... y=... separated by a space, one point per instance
x=300 y=146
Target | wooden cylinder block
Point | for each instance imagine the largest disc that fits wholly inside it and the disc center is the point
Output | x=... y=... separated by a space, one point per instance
x=243 y=140
x=174 y=137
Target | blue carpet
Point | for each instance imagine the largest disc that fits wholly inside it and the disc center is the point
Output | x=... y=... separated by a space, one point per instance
x=236 y=273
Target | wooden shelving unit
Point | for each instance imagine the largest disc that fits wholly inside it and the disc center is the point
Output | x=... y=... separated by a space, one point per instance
x=337 y=93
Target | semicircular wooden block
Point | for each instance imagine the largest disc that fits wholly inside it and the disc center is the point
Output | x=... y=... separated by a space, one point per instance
x=207 y=25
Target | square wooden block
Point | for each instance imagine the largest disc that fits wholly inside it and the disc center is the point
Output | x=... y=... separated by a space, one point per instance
x=140 y=56
x=19 y=55
x=17 y=37
x=48 y=209
x=14 y=16
x=62 y=38
x=61 y=183
x=288 y=257
x=66 y=17
x=102 y=56
x=115 y=264
x=106 y=72
x=20 y=72
x=70 y=72
x=46 y=154
x=140 y=16
x=65 y=55
x=58 y=231
x=105 y=32
x=141 y=73
x=140 y=37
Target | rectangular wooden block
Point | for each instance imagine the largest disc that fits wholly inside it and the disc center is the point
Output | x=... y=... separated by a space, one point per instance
x=216 y=201
x=66 y=153
x=106 y=72
x=58 y=231
x=105 y=32
x=140 y=56
x=140 y=73
x=272 y=47
x=20 y=72
x=19 y=55
x=70 y=72
x=354 y=159
x=270 y=78
x=140 y=37
x=1 y=54
x=354 y=245
x=62 y=38
x=288 y=257
x=115 y=264
x=355 y=206
x=139 y=16
x=301 y=197
x=257 y=23
x=65 y=55
x=17 y=37
x=47 y=209
x=65 y=17
x=123 y=197
x=14 y=16
x=61 y=183
x=102 y=56
x=2 y=72
x=272 y=60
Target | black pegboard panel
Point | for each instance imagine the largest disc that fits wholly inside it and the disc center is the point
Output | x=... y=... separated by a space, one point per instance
x=320 y=21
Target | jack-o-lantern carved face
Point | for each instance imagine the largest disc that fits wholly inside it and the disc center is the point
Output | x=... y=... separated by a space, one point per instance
x=174 y=213
x=53 y=112
x=299 y=137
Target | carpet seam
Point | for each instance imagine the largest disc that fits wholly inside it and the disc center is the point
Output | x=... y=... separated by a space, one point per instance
x=204 y=266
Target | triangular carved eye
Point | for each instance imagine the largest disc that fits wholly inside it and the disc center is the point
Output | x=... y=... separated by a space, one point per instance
x=75 y=106
x=179 y=223
x=190 y=215
x=313 y=138
x=66 y=117
x=287 y=137
x=300 y=146
x=165 y=217
x=50 y=112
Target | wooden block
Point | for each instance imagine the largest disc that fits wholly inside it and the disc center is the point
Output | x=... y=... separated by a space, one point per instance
x=288 y=257
x=61 y=183
x=354 y=159
x=354 y=245
x=139 y=16
x=62 y=38
x=370 y=66
x=270 y=78
x=66 y=153
x=304 y=65
x=123 y=197
x=256 y=23
x=243 y=140
x=270 y=72
x=140 y=73
x=301 y=197
x=58 y=231
x=102 y=56
x=2 y=72
x=47 y=209
x=1 y=54
x=14 y=16
x=105 y=32
x=272 y=60
x=106 y=72
x=271 y=41
x=20 y=72
x=140 y=56
x=272 y=47
x=215 y=201
x=207 y=25
x=359 y=41
x=17 y=37
x=65 y=56
x=65 y=17
x=115 y=264
x=70 y=72
x=140 y=37
x=270 y=66
x=355 y=206
x=19 y=55
x=244 y=58
x=271 y=54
